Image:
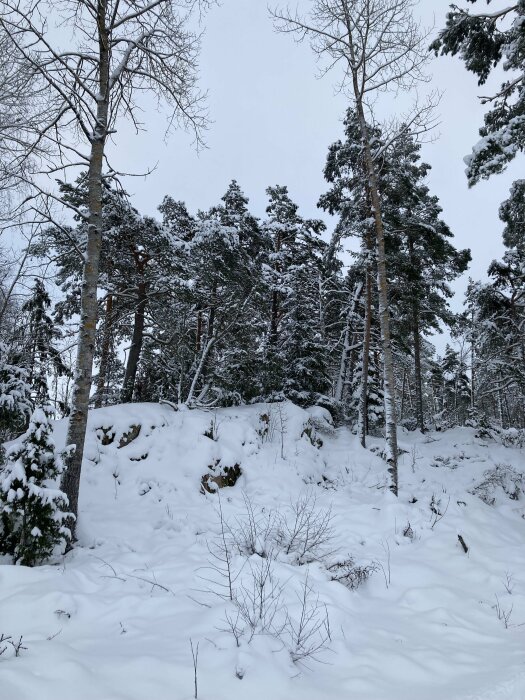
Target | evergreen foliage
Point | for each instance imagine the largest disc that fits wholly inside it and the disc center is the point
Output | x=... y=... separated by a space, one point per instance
x=421 y=258
x=32 y=506
x=16 y=404
x=42 y=352
x=486 y=39
x=494 y=325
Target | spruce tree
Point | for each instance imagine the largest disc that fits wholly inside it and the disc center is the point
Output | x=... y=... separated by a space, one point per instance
x=296 y=355
x=33 y=509
x=42 y=334
x=16 y=403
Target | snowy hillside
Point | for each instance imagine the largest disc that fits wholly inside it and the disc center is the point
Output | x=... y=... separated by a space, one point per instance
x=157 y=570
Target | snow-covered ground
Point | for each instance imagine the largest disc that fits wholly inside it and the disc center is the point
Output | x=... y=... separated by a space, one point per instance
x=113 y=620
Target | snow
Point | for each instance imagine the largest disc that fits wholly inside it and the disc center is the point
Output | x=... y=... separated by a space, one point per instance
x=113 y=620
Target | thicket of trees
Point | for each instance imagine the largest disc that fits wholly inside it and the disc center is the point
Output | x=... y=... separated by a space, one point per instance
x=220 y=307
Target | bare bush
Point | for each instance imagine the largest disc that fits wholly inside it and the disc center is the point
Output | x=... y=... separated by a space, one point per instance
x=502 y=478
x=260 y=600
x=309 y=635
x=7 y=641
x=234 y=625
x=386 y=570
x=255 y=531
x=437 y=510
x=241 y=569
x=222 y=575
x=306 y=531
x=350 y=574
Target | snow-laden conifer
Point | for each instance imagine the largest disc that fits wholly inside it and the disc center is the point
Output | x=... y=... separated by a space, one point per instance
x=33 y=509
x=15 y=396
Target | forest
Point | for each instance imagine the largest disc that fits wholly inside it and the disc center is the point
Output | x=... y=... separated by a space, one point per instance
x=213 y=311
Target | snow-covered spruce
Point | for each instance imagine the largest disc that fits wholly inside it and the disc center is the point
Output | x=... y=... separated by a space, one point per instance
x=32 y=506
x=15 y=397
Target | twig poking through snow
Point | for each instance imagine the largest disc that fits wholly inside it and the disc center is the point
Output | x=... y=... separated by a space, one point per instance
x=502 y=613
x=195 y=657
x=386 y=572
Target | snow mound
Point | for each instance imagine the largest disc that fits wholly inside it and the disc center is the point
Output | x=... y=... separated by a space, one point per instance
x=306 y=579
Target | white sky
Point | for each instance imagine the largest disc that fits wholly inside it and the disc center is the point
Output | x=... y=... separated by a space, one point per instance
x=273 y=121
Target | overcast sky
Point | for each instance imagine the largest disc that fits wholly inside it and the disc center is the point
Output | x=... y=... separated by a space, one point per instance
x=273 y=121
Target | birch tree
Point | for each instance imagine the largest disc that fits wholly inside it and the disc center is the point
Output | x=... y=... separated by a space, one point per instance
x=376 y=45
x=95 y=59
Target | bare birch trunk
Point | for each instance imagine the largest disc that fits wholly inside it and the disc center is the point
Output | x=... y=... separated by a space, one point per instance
x=88 y=306
x=198 y=372
x=382 y=288
x=347 y=345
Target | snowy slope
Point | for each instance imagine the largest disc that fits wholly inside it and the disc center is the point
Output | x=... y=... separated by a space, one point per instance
x=113 y=620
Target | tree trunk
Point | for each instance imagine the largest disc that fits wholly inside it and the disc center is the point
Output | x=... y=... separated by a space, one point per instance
x=472 y=366
x=382 y=288
x=275 y=308
x=198 y=335
x=199 y=370
x=104 y=353
x=274 y=318
x=420 y=418
x=136 y=344
x=347 y=344
x=500 y=408
x=417 y=368
x=403 y=391
x=88 y=306
x=363 y=395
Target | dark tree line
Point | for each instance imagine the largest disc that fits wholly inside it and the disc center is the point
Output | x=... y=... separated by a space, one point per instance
x=220 y=307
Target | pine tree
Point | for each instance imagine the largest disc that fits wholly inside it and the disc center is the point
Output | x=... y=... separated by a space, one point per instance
x=296 y=359
x=138 y=263
x=497 y=312
x=487 y=40
x=349 y=197
x=494 y=324
x=32 y=506
x=455 y=386
x=422 y=259
x=42 y=354
x=225 y=265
